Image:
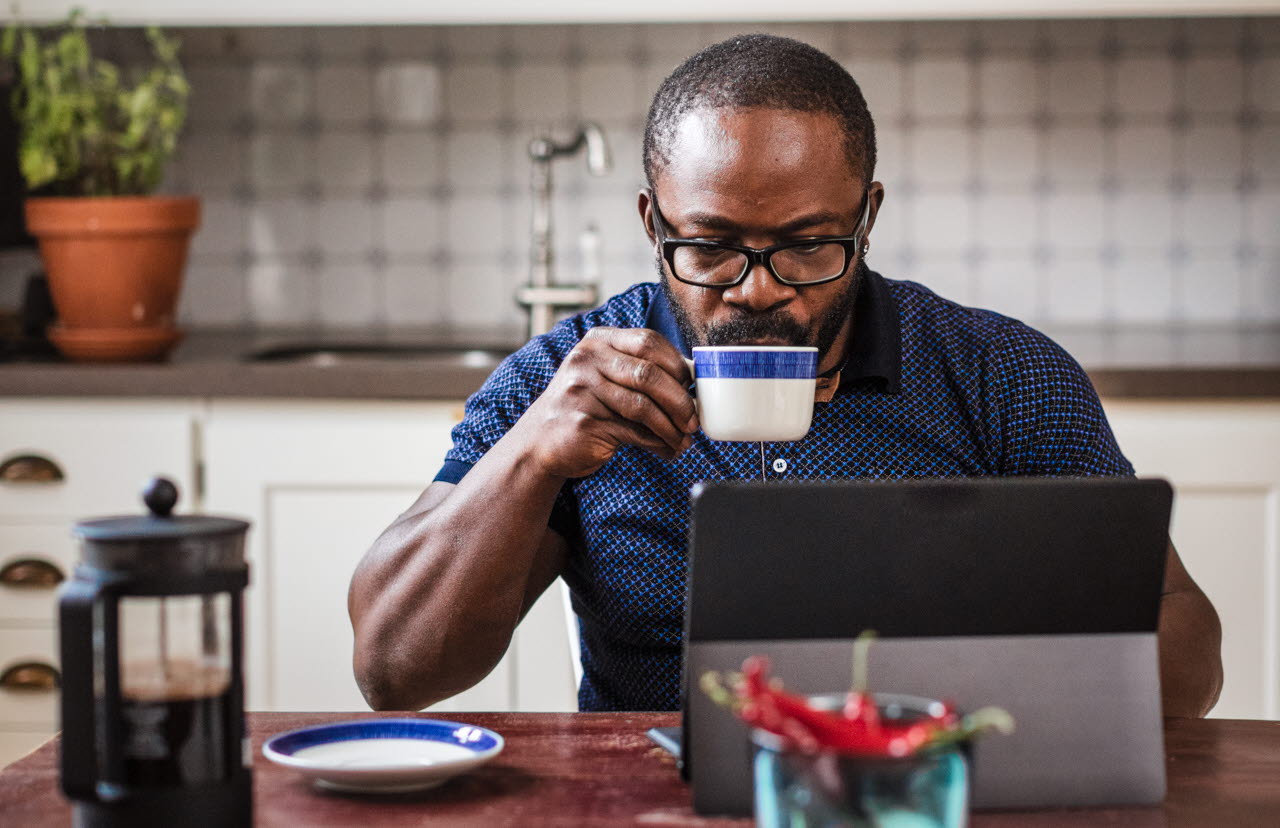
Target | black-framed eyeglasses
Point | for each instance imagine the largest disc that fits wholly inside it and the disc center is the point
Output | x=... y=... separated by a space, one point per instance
x=801 y=262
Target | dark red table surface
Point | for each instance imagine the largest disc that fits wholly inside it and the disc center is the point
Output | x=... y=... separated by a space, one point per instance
x=601 y=769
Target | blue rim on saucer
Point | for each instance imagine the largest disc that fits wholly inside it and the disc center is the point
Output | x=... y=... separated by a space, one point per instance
x=478 y=740
x=418 y=753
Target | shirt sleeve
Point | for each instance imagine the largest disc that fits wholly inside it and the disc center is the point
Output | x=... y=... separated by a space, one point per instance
x=1052 y=422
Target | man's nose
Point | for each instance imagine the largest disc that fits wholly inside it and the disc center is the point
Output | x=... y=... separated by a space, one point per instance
x=759 y=291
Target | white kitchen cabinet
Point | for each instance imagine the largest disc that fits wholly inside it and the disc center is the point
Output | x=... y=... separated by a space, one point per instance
x=244 y=12
x=99 y=454
x=319 y=480
x=1223 y=459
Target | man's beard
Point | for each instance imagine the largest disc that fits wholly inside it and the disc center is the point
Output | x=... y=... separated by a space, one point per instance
x=777 y=324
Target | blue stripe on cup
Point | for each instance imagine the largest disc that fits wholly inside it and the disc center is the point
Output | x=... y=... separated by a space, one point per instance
x=755 y=364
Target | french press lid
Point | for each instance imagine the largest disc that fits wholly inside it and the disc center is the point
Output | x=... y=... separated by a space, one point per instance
x=162 y=540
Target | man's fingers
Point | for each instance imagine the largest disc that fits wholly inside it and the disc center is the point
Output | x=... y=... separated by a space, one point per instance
x=652 y=380
x=638 y=408
x=651 y=346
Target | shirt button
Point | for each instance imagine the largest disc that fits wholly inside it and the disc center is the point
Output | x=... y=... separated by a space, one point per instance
x=779 y=465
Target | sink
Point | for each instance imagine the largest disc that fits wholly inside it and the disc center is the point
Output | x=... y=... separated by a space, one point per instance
x=348 y=353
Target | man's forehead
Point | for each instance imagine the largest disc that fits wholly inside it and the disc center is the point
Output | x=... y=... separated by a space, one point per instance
x=751 y=157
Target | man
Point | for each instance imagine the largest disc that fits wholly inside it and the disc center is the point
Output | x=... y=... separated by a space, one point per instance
x=577 y=455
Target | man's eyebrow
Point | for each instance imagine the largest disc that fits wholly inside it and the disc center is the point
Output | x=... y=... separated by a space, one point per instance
x=710 y=221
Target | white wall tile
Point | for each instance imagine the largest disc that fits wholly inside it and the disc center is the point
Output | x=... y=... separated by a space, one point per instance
x=608 y=90
x=1143 y=221
x=948 y=276
x=409 y=160
x=213 y=163
x=940 y=158
x=672 y=40
x=342 y=41
x=1263 y=218
x=1009 y=285
x=409 y=226
x=1075 y=221
x=540 y=92
x=1082 y=37
x=222 y=229
x=1213 y=219
x=1214 y=154
x=1144 y=290
x=1215 y=85
x=890 y=229
x=346 y=295
x=279 y=93
x=343 y=228
x=414 y=42
x=470 y=221
x=613 y=41
x=479 y=296
x=414 y=295
x=1009 y=87
x=1215 y=34
x=1008 y=156
x=1144 y=154
x=1145 y=33
x=1075 y=157
x=473 y=92
x=275 y=42
x=880 y=80
x=1264 y=84
x=1264 y=160
x=408 y=92
x=941 y=87
x=1260 y=287
x=942 y=222
x=1210 y=289
x=542 y=42
x=819 y=35
x=279 y=227
x=890 y=153
x=219 y=93
x=280 y=161
x=477 y=160
x=862 y=37
x=1010 y=36
x=282 y=293
x=1008 y=221
x=344 y=162
x=343 y=93
x=213 y=295
x=1075 y=291
x=476 y=42
x=1076 y=86
x=940 y=36
x=1144 y=85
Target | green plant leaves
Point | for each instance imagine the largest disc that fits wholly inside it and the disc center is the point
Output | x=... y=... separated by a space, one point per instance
x=86 y=128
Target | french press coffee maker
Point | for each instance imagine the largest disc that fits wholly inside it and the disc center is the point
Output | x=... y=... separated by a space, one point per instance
x=152 y=632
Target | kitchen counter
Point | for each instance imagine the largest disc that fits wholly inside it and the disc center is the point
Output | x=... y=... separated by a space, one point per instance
x=1130 y=363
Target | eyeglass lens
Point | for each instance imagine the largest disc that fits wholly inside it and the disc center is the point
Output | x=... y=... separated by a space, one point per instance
x=805 y=263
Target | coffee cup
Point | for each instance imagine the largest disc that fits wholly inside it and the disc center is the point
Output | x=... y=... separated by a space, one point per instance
x=755 y=393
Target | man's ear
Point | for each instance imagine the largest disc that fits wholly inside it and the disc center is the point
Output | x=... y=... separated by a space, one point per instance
x=875 y=193
x=645 y=203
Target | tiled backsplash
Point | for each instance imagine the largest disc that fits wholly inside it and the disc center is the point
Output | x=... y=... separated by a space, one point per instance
x=1061 y=172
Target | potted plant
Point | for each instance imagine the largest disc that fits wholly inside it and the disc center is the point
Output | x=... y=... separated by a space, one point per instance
x=93 y=142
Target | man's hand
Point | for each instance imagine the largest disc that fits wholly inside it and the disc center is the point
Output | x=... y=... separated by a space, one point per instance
x=618 y=386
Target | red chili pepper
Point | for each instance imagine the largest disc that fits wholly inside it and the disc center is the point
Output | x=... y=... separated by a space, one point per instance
x=855 y=729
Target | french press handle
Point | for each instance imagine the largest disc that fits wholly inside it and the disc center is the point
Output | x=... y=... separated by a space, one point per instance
x=76 y=601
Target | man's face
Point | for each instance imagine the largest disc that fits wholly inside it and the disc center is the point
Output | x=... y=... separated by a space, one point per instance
x=758 y=177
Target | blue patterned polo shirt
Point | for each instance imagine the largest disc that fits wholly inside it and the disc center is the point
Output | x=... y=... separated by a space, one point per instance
x=931 y=389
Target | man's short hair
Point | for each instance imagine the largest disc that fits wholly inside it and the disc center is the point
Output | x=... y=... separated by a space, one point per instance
x=766 y=71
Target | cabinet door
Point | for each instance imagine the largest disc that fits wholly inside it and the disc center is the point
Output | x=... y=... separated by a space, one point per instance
x=1223 y=460
x=319 y=481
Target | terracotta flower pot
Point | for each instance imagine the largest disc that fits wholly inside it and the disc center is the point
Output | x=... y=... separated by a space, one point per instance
x=115 y=269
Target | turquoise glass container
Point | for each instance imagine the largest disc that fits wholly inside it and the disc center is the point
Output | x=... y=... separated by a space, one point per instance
x=927 y=790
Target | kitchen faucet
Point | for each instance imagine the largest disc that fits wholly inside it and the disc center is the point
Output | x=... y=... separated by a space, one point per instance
x=542 y=296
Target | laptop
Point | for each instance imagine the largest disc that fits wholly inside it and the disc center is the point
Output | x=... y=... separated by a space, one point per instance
x=1038 y=595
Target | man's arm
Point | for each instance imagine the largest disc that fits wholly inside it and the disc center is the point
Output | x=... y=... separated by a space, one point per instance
x=435 y=601
x=1190 y=644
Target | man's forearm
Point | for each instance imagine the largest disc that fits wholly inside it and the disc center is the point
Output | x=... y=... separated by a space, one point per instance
x=1190 y=654
x=436 y=599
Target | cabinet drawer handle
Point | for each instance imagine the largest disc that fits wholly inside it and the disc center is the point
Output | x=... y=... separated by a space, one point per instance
x=31 y=677
x=30 y=468
x=31 y=573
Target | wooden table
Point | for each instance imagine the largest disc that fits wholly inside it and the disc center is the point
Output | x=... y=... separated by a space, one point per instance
x=599 y=769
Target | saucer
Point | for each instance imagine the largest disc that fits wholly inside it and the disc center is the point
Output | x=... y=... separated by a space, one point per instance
x=114 y=344
x=383 y=755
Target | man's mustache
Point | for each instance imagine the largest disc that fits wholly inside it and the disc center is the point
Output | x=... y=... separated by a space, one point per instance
x=778 y=325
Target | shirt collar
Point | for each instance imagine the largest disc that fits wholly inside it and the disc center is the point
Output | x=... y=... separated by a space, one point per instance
x=874 y=354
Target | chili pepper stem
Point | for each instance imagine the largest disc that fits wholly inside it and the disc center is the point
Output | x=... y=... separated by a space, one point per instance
x=861 y=652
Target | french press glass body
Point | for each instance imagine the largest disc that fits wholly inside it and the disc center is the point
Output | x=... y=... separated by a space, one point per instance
x=151 y=625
